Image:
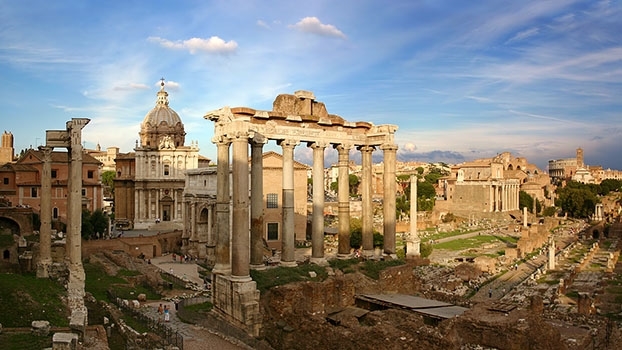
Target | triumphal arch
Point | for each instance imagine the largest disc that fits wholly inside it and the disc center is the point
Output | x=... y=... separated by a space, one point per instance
x=294 y=120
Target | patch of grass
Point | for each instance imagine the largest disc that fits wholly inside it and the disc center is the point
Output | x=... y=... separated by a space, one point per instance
x=127 y=273
x=343 y=264
x=27 y=298
x=201 y=307
x=440 y=235
x=20 y=341
x=97 y=281
x=278 y=276
x=466 y=243
x=372 y=268
x=134 y=323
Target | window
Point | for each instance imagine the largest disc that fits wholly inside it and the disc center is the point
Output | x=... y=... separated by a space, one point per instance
x=55 y=213
x=6 y=180
x=54 y=173
x=33 y=192
x=167 y=169
x=83 y=192
x=89 y=174
x=273 y=231
x=273 y=200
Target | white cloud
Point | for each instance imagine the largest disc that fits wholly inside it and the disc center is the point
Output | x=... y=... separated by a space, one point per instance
x=212 y=45
x=263 y=24
x=314 y=26
x=524 y=35
x=130 y=86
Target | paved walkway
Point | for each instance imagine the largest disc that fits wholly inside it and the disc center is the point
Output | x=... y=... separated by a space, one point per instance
x=195 y=337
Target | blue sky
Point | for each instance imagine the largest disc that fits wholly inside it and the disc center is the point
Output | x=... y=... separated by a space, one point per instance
x=461 y=79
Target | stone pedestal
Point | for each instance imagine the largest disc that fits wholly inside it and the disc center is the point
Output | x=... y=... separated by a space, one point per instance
x=413 y=247
x=64 y=341
x=238 y=302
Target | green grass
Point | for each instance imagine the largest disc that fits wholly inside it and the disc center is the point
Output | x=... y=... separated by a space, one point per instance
x=345 y=265
x=441 y=235
x=202 y=307
x=278 y=276
x=466 y=243
x=372 y=268
x=98 y=283
x=21 y=341
x=27 y=298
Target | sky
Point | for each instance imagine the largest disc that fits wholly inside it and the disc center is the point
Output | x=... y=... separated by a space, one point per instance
x=461 y=79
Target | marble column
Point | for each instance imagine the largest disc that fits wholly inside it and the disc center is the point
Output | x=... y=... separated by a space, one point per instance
x=551 y=253
x=343 y=198
x=240 y=228
x=45 y=232
x=389 y=180
x=367 y=222
x=222 y=264
x=257 y=203
x=413 y=244
x=288 y=257
x=317 y=219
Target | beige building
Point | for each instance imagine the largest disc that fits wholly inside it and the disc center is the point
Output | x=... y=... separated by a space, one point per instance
x=106 y=157
x=159 y=163
x=7 y=152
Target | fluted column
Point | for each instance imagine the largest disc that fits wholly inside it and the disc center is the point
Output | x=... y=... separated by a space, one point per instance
x=317 y=220
x=222 y=264
x=257 y=206
x=343 y=198
x=367 y=222
x=74 y=199
x=413 y=244
x=288 y=257
x=240 y=239
x=45 y=232
x=390 y=151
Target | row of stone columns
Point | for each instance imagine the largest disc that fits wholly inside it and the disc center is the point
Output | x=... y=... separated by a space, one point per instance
x=232 y=252
x=504 y=197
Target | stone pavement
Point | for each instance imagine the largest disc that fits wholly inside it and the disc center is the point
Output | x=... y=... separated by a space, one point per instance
x=195 y=337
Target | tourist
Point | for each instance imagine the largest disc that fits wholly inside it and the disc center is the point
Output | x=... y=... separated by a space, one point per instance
x=490 y=293
x=167 y=315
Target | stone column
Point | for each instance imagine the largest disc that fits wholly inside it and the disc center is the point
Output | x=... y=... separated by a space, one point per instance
x=343 y=198
x=288 y=257
x=390 y=151
x=496 y=197
x=77 y=277
x=524 y=216
x=240 y=239
x=257 y=201
x=367 y=222
x=222 y=264
x=551 y=254
x=413 y=245
x=317 y=220
x=45 y=239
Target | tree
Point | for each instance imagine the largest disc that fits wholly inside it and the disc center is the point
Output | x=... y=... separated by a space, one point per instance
x=525 y=200
x=108 y=177
x=425 y=249
x=420 y=170
x=353 y=181
x=577 y=202
x=93 y=223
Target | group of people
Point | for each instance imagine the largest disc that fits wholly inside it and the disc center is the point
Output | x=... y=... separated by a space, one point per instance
x=184 y=258
x=164 y=311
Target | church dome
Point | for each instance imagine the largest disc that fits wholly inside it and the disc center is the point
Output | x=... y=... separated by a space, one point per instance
x=162 y=126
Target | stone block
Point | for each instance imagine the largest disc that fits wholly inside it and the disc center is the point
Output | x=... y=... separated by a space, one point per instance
x=40 y=328
x=142 y=297
x=64 y=341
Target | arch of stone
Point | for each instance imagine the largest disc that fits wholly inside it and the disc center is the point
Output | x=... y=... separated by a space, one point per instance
x=295 y=119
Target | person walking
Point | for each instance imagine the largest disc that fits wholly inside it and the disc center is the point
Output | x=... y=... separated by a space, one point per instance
x=167 y=314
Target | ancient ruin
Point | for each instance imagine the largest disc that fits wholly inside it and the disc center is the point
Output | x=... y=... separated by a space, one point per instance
x=294 y=119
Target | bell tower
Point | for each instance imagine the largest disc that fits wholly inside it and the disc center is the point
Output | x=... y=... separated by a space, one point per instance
x=7 y=151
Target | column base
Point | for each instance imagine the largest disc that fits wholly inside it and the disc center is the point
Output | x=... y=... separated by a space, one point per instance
x=288 y=264
x=319 y=261
x=221 y=269
x=344 y=256
x=240 y=279
x=43 y=268
x=258 y=267
x=369 y=253
x=392 y=255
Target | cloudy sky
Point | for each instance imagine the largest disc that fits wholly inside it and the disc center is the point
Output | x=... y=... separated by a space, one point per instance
x=461 y=79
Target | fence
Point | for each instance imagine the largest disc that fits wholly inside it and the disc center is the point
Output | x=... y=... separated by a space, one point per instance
x=165 y=331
